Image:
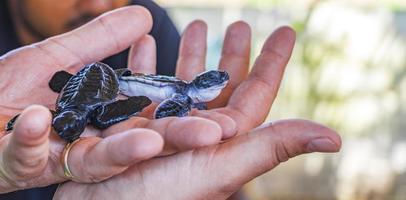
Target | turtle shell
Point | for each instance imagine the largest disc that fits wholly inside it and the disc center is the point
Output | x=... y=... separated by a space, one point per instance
x=96 y=84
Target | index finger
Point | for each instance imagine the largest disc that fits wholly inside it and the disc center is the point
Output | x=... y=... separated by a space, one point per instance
x=251 y=102
x=104 y=36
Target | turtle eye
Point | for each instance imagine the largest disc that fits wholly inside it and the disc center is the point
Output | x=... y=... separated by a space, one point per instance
x=208 y=82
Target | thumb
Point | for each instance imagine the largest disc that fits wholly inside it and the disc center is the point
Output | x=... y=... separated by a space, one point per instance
x=26 y=151
x=249 y=156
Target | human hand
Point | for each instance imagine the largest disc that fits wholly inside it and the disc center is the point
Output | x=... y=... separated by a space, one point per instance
x=215 y=172
x=247 y=99
x=30 y=154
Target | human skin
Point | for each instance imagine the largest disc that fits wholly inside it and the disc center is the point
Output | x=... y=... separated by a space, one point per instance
x=193 y=172
x=30 y=155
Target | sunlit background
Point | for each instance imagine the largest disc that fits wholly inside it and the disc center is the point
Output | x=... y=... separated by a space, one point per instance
x=348 y=71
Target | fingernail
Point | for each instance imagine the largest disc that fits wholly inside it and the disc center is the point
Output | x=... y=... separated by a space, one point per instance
x=322 y=145
x=281 y=41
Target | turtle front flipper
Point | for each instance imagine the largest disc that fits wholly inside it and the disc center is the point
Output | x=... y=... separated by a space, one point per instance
x=59 y=80
x=178 y=105
x=118 y=111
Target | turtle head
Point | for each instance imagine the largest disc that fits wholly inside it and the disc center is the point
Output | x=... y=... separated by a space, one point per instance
x=69 y=124
x=213 y=79
x=209 y=84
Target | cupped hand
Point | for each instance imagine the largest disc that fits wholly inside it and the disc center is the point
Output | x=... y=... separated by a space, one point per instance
x=30 y=155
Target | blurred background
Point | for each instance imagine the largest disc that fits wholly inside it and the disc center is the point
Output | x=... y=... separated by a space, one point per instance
x=348 y=71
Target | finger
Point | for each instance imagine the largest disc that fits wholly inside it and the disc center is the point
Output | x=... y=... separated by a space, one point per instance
x=192 y=51
x=186 y=133
x=227 y=124
x=249 y=156
x=142 y=56
x=235 y=58
x=179 y=133
x=94 y=159
x=250 y=103
x=106 y=35
x=26 y=153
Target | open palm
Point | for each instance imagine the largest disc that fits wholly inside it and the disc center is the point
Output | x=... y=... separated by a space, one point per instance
x=216 y=171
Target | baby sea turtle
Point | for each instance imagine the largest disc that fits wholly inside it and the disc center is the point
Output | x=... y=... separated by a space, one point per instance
x=90 y=97
x=176 y=97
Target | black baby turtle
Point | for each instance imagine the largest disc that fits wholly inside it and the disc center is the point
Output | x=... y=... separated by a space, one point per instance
x=90 y=97
x=176 y=97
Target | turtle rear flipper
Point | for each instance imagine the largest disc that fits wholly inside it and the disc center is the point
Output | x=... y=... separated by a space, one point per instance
x=10 y=124
x=59 y=80
x=122 y=72
x=118 y=111
x=178 y=105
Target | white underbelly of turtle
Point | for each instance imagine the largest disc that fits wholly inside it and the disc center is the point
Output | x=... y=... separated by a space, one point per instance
x=203 y=95
x=141 y=89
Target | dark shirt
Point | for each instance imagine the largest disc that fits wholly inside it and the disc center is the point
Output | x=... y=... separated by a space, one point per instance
x=167 y=40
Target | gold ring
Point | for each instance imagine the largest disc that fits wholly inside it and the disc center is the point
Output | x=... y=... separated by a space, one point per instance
x=65 y=154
